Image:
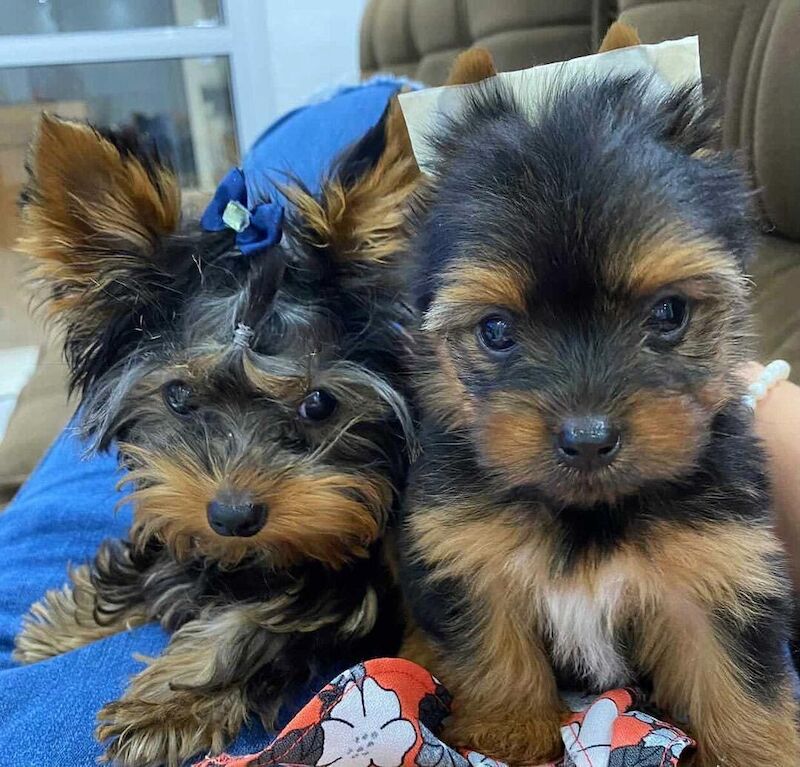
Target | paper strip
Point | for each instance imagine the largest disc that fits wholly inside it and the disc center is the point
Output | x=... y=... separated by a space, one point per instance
x=676 y=62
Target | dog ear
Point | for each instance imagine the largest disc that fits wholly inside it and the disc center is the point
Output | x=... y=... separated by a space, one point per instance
x=471 y=66
x=359 y=214
x=358 y=217
x=95 y=212
x=388 y=141
x=619 y=35
x=684 y=118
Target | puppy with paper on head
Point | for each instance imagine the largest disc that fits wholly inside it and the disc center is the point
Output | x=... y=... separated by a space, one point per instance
x=591 y=508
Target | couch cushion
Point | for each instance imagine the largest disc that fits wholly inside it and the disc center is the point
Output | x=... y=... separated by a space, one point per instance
x=486 y=19
x=421 y=38
x=438 y=26
x=40 y=413
x=750 y=51
x=776 y=272
x=776 y=132
x=41 y=408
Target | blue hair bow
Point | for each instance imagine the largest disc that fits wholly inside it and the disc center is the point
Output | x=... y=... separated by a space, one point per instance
x=257 y=228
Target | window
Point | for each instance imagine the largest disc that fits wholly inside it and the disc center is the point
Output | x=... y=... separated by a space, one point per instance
x=193 y=74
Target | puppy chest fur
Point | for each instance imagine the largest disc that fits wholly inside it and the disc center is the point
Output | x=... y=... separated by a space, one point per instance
x=581 y=626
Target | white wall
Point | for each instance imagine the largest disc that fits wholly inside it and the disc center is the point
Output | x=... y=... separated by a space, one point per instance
x=311 y=44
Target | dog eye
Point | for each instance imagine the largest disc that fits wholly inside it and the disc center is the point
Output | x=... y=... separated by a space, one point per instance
x=178 y=397
x=317 y=406
x=494 y=333
x=668 y=318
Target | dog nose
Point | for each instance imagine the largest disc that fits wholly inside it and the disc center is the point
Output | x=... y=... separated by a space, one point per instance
x=588 y=442
x=240 y=520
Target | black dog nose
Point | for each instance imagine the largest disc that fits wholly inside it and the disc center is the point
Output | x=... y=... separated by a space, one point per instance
x=240 y=520
x=588 y=442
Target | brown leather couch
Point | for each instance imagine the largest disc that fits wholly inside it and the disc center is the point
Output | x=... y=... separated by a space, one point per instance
x=750 y=51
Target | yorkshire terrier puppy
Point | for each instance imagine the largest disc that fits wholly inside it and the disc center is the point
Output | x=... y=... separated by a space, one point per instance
x=256 y=405
x=590 y=507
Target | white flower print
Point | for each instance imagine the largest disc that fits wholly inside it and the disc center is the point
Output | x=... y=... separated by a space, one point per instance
x=365 y=728
x=589 y=743
x=479 y=760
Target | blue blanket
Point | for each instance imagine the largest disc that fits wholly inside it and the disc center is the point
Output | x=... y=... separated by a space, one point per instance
x=47 y=710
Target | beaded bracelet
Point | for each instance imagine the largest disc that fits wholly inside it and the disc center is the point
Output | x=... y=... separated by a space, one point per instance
x=772 y=374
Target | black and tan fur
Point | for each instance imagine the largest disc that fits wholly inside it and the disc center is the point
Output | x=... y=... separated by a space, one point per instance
x=150 y=307
x=660 y=566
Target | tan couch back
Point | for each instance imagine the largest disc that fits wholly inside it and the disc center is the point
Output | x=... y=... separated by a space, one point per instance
x=752 y=50
x=420 y=38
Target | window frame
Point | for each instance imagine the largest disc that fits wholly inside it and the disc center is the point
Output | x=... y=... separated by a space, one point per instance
x=240 y=37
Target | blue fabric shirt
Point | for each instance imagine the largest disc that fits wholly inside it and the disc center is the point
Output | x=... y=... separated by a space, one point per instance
x=47 y=710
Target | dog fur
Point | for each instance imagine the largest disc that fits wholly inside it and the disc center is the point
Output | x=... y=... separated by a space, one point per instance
x=591 y=260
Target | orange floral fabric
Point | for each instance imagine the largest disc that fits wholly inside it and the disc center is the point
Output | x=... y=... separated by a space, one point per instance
x=387 y=713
